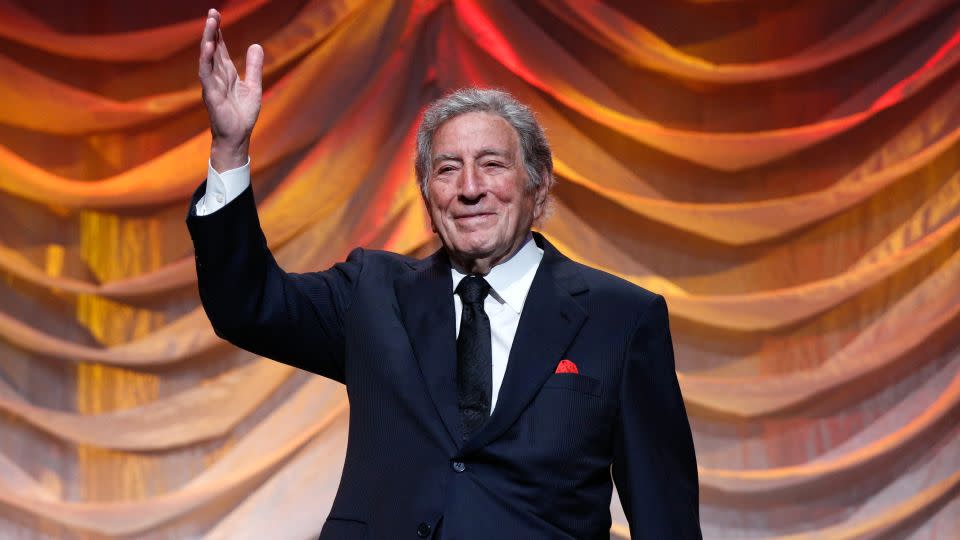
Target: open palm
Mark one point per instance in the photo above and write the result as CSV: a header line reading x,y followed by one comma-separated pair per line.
x,y
233,104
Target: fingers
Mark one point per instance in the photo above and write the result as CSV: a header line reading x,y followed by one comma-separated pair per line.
x,y
207,44
211,26
253,72
223,59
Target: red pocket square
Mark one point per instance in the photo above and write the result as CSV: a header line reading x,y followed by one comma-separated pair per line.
x,y
566,366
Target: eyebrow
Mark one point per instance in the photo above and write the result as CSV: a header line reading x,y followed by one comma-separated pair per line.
x,y
482,153
445,157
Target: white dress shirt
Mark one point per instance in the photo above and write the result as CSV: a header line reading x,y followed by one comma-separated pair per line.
x,y
509,281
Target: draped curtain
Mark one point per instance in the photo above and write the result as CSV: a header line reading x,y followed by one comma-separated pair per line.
x,y
784,172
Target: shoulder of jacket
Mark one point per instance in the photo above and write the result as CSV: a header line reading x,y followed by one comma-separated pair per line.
x,y
607,284
379,258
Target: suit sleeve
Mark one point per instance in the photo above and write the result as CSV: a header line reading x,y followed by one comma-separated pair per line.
x,y
251,302
654,465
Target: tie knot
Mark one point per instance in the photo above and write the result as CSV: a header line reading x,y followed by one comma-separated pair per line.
x,y
473,289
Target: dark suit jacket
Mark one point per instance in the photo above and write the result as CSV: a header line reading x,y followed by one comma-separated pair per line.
x,y
383,324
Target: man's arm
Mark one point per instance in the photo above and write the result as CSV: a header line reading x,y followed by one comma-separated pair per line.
x,y
250,301
654,465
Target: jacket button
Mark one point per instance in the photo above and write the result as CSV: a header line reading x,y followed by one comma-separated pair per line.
x,y
423,530
459,466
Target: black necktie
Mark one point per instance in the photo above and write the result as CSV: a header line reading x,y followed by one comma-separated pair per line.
x,y
474,359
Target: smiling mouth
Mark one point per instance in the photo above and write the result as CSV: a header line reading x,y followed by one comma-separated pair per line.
x,y
471,221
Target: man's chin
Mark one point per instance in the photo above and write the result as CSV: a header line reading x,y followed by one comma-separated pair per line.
x,y
471,250
471,254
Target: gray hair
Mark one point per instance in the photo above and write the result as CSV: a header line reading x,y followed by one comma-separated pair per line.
x,y
535,151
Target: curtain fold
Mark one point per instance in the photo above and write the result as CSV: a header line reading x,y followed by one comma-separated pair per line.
x,y
255,455
204,412
638,45
144,45
496,30
73,111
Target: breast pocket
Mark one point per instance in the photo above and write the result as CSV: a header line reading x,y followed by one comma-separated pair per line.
x,y
568,420
572,381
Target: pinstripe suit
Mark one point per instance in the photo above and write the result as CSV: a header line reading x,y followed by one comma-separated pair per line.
x,y
383,324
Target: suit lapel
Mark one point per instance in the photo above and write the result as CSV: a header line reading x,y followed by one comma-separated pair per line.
x,y
425,297
551,318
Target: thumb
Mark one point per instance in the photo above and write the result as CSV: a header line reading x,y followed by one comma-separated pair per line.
x,y
253,72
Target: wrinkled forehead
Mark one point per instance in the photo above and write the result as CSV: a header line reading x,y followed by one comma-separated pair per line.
x,y
473,133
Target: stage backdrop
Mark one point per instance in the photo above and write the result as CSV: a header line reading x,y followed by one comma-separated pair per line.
x,y
785,172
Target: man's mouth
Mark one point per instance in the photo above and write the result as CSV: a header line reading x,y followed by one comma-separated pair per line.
x,y
474,218
472,215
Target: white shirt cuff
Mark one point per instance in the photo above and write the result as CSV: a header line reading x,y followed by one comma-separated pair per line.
x,y
223,187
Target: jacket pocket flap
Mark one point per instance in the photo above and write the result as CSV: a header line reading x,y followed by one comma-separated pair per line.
x,y
574,381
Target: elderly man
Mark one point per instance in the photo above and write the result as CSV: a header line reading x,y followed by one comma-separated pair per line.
x,y
494,385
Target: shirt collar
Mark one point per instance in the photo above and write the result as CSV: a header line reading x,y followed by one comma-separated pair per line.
x,y
510,280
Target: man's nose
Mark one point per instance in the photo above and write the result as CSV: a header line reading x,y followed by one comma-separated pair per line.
x,y
471,185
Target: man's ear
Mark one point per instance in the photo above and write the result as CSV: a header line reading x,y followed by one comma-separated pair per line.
x,y
540,196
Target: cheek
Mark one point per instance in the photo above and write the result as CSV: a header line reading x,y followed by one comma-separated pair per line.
x,y
506,193
438,201
515,202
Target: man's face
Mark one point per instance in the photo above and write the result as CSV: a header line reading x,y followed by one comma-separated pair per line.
x,y
478,199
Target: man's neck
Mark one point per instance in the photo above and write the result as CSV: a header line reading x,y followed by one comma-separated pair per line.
x,y
482,266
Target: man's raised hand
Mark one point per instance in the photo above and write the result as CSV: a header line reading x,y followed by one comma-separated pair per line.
x,y
233,104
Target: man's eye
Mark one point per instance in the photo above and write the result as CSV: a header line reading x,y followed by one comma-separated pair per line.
x,y
446,169
493,164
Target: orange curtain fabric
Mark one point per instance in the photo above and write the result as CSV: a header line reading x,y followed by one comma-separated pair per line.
x,y
786,173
